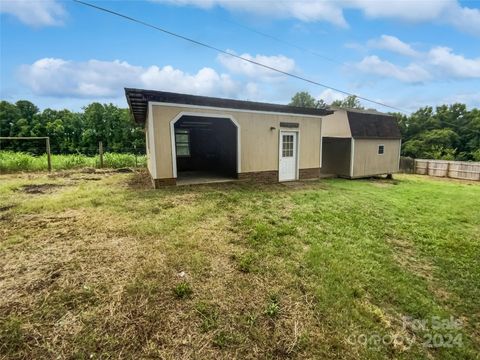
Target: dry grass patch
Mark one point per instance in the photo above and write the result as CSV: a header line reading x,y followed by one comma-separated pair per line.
x,y
114,269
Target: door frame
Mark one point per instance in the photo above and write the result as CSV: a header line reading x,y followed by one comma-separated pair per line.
x,y
297,157
207,115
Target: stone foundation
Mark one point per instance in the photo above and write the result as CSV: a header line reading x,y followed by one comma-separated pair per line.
x,y
312,173
265,177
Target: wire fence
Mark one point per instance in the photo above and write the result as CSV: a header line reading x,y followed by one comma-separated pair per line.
x,y
105,157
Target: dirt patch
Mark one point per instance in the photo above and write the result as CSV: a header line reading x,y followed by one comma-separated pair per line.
x,y
6,207
140,180
87,178
304,184
39,188
123,170
406,256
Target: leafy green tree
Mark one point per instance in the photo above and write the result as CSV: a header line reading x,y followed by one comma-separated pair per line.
x,y
304,99
70,132
27,109
448,131
350,102
476,155
444,132
433,144
9,115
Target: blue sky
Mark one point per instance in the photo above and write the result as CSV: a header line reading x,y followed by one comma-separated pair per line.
x,y
408,54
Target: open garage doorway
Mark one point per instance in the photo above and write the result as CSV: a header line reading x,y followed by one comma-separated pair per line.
x,y
205,149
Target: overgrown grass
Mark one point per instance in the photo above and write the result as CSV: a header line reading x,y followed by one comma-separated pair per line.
x,y
104,267
18,161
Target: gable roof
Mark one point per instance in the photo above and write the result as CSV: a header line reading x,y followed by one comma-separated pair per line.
x,y
138,102
372,125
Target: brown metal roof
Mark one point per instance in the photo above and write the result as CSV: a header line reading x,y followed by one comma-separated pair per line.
x,y
138,101
371,125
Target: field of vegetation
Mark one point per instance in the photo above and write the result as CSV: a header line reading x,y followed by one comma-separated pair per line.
x,y
11,161
99,265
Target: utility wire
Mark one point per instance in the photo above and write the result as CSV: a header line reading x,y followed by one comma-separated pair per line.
x,y
211,47
281,41
277,39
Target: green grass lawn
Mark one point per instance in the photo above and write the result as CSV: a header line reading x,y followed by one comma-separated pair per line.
x,y
101,266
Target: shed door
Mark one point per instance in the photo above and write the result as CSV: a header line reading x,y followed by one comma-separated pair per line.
x,y
288,156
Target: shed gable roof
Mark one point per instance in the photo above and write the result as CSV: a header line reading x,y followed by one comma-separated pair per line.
x,y
372,125
138,102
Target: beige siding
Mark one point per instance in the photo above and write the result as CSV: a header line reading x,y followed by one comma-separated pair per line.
x,y
336,125
367,162
149,146
259,144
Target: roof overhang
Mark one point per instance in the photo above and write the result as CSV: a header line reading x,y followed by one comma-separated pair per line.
x,y
138,100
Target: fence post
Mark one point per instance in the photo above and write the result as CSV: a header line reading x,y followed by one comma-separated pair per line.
x,y
448,169
100,151
49,158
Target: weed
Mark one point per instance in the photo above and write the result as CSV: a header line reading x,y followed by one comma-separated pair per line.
x,y
11,334
246,262
11,161
209,316
222,339
183,290
273,306
250,319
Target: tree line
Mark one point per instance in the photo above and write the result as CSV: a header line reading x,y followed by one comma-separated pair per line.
x,y
447,132
70,132
450,132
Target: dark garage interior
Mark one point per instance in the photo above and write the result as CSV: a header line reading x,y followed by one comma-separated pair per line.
x,y
206,149
336,154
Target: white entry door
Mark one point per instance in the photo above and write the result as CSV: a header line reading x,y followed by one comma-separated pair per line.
x,y
288,156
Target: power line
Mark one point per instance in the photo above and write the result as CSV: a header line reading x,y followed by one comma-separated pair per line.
x,y
211,47
282,41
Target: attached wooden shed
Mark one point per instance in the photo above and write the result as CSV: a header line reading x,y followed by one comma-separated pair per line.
x,y
196,139
358,143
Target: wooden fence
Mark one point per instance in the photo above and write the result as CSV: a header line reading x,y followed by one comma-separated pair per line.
x,y
444,168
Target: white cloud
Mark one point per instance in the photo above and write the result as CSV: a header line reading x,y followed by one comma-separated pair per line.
x,y
35,12
448,63
392,43
414,11
106,79
238,66
329,96
205,82
463,18
315,10
413,73
437,63
440,11
471,99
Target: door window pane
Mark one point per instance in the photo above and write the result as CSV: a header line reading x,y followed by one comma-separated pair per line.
x,y
287,145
